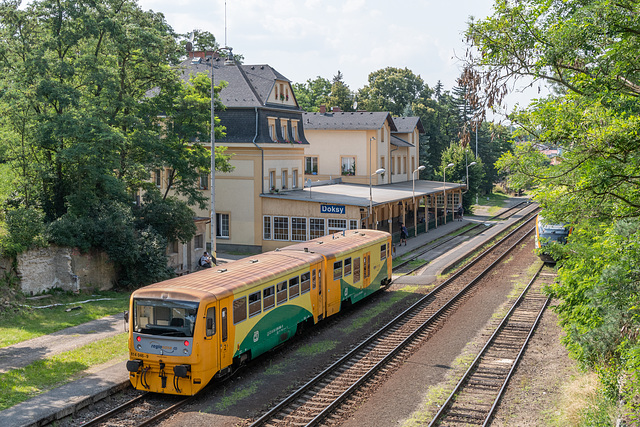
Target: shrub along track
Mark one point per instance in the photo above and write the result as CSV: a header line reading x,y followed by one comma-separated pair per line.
x,y
317,400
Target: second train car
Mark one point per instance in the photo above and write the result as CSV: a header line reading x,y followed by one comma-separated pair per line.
x,y
186,331
547,233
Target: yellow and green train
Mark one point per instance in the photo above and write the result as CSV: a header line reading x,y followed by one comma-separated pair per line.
x,y
188,330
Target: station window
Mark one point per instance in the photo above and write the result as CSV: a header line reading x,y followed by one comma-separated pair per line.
x,y
305,282
294,179
266,228
281,289
347,267
356,270
316,228
255,303
284,179
337,270
272,180
311,165
268,298
222,225
204,181
158,178
239,310
198,241
383,252
298,229
294,287
294,131
353,224
348,166
280,228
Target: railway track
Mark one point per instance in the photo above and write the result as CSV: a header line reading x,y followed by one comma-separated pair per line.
x,y
142,410
408,265
475,397
318,399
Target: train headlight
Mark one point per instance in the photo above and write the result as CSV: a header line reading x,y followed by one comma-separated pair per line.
x,y
139,347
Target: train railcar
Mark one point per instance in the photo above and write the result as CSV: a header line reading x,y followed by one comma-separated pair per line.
x,y
188,330
547,233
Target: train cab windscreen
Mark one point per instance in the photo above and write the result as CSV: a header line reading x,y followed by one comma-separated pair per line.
x,y
164,317
553,233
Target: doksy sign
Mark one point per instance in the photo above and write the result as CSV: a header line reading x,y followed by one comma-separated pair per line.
x,y
333,209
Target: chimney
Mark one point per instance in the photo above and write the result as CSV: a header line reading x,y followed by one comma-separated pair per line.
x,y
323,109
336,110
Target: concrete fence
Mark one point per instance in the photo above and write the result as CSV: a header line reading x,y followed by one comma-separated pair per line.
x,y
66,268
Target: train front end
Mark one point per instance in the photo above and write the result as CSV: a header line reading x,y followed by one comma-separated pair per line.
x,y
165,353
547,234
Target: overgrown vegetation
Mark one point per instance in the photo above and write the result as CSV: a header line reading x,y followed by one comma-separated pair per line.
x,y
84,87
585,50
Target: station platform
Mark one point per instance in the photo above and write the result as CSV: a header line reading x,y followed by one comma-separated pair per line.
x,y
104,380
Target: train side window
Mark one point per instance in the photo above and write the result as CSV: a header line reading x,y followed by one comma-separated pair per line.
x,y
356,270
305,282
211,324
223,326
281,290
337,270
268,298
239,310
294,287
313,279
255,303
383,252
347,267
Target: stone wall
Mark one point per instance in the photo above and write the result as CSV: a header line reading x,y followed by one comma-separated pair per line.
x,y
65,268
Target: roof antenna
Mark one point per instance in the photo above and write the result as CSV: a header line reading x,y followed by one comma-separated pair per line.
x,y
225,23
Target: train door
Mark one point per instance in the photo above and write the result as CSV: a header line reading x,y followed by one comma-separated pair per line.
x,y
333,280
316,280
212,361
366,269
226,352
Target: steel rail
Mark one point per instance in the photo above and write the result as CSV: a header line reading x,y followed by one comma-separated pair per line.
x,y
295,395
476,362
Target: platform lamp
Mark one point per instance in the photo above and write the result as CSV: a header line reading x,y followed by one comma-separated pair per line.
x,y
444,189
229,61
378,172
415,210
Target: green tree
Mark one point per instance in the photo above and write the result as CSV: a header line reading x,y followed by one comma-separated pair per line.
x,y
392,89
586,49
82,86
313,93
461,158
340,96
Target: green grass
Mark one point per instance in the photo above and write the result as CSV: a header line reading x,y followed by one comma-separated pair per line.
x,y
22,384
317,348
31,323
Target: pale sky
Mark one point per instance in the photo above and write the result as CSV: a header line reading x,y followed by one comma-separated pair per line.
x,y
303,39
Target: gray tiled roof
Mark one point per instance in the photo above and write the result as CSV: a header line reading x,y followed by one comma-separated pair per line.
x,y
249,85
351,121
408,124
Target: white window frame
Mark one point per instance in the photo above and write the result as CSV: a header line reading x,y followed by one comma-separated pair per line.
x,y
324,227
276,236
221,227
266,220
353,224
300,224
336,228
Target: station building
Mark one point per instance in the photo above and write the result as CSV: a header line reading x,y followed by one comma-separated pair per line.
x,y
300,175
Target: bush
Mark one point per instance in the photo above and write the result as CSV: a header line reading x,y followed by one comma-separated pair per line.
x,y
25,229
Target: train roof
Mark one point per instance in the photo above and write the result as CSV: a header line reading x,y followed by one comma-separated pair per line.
x,y
224,280
333,245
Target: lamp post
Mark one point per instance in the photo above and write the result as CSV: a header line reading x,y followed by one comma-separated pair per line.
x,y
378,172
415,209
228,61
444,190
470,164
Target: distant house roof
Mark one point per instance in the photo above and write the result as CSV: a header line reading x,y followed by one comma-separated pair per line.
x,y
347,121
398,142
408,124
